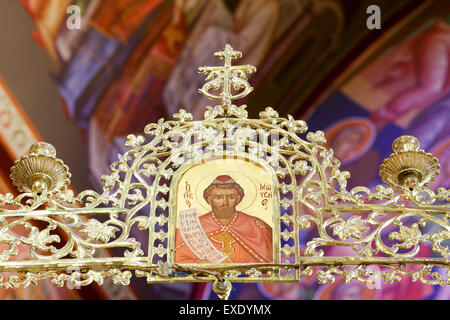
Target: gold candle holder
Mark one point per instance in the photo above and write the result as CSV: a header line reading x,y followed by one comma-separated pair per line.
x,y
408,167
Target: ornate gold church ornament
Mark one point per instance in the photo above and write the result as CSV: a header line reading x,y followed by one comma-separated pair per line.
x,y
256,182
409,167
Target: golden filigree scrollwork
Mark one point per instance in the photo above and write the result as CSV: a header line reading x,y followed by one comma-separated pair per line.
x,y
384,226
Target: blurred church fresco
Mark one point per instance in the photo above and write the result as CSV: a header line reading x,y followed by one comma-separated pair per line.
x,y
135,61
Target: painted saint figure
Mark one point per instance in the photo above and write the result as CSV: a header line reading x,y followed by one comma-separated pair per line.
x,y
239,237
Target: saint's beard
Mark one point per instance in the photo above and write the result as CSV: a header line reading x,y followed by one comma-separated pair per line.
x,y
224,211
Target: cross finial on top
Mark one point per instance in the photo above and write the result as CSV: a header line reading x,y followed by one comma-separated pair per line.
x,y
228,77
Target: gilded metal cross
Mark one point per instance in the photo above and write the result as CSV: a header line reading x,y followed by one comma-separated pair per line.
x,y
227,77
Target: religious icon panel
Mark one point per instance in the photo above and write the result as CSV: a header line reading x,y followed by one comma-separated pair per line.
x,y
224,213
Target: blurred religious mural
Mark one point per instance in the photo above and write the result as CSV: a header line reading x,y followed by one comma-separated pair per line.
x,y
135,61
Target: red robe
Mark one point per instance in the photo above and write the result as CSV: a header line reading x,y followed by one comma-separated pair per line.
x,y
246,239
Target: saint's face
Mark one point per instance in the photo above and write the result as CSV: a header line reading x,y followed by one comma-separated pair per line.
x,y
223,201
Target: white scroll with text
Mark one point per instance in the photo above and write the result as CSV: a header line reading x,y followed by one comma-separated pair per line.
x,y
194,236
